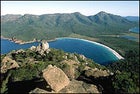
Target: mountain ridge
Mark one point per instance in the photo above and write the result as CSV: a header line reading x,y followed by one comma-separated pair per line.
x,y
62,24
54,14
132,18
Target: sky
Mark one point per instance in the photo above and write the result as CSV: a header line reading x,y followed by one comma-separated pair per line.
x,y
122,8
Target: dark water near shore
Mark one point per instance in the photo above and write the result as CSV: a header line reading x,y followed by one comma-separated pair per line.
x,y
93,51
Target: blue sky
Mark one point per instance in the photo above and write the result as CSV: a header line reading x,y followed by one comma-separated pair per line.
x,y
122,8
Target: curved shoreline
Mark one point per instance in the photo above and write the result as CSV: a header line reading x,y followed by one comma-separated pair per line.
x,y
19,41
110,49
23,42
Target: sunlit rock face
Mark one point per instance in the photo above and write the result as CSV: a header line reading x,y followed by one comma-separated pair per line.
x,y
55,77
42,48
8,63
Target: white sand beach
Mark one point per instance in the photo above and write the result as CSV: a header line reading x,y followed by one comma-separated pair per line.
x,y
113,51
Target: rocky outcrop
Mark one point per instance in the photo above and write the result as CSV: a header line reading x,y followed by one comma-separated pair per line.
x,y
83,57
44,45
8,63
55,77
18,41
20,51
79,87
74,86
42,48
38,90
33,48
59,82
96,72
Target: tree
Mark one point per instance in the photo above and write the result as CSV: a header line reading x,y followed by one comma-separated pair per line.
x,y
4,84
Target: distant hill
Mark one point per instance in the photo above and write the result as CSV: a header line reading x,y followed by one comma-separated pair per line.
x,y
48,26
110,23
9,17
132,18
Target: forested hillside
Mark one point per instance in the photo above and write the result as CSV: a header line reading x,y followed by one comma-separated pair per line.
x,y
132,18
48,26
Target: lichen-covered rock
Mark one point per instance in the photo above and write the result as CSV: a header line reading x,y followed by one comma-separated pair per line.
x,y
8,63
96,73
55,77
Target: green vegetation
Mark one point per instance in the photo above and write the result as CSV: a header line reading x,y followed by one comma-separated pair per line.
x,y
4,88
126,72
103,28
49,26
132,18
124,83
119,44
32,63
126,78
132,34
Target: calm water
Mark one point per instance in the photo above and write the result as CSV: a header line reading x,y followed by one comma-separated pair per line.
x,y
7,46
93,51
130,38
135,29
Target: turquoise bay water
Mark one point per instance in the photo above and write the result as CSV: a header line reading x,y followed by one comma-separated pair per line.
x,y
93,51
